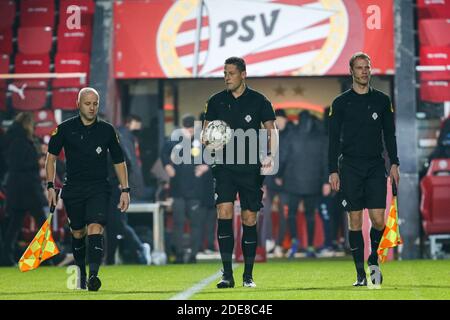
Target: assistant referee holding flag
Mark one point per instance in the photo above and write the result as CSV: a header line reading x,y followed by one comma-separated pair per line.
x,y
359,120
86,191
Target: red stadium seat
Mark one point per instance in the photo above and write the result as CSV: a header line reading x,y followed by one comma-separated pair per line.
x,y
435,202
7,14
37,13
435,91
435,56
65,98
32,63
78,40
44,116
35,40
434,32
87,8
70,62
4,63
45,122
28,94
433,9
6,41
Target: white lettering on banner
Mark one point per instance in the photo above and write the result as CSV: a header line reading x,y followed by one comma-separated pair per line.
x,y
437,56
42,10
427,2
75,62
438,83
32,62
267,39
73,34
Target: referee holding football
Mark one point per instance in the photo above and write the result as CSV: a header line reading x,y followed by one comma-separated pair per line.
x,y
86,191
241,108
359,120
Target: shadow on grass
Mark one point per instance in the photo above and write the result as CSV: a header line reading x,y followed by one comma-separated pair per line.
x,y
311,289
81,292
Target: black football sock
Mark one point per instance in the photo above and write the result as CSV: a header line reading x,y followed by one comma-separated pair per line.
x,y
225,238
79,254
375,238
249,239
95,253
357,248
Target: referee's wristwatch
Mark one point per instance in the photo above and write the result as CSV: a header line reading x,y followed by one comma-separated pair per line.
x,y
125,189
50,185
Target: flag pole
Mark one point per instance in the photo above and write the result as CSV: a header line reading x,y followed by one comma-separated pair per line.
x,y
198,34
49,219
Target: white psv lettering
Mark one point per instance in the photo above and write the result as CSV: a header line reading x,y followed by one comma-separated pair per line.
x,y
229,28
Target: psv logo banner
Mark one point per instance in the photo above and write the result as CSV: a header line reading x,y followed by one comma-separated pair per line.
x,y
192,38
274,37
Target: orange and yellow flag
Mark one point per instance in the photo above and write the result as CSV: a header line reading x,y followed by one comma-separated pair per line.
x,y
40,249
391,236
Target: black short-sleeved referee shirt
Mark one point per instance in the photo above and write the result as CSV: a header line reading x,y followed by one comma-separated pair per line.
x,y
358,123
85,149
249,111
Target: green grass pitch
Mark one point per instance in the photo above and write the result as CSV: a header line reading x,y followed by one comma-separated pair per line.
x,y
301,279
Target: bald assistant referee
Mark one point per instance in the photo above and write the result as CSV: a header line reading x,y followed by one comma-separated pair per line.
x,y
86,141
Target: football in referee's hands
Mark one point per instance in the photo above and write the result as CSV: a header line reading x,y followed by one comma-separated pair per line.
x,y
216,134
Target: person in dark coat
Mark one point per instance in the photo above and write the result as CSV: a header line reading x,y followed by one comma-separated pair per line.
x,y
130,146
274,187
186,188
24,191
304,171
119,229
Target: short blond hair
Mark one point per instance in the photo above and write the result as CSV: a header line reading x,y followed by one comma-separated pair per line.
x,y
358,55
86,90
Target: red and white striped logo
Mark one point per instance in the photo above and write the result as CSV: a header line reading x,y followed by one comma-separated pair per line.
x,y
275,37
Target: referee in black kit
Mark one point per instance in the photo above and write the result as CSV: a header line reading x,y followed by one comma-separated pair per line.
x,y
241,108
86,191
359,120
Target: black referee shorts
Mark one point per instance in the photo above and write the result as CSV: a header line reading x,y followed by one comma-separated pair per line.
x,y
86,204
227,183
363,184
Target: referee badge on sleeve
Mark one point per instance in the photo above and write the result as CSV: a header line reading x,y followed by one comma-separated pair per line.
x,y
374,116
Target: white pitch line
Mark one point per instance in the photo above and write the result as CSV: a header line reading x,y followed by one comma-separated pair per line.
x,y
186,294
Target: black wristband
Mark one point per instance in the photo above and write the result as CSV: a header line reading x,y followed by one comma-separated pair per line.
x,y
50,185
126,189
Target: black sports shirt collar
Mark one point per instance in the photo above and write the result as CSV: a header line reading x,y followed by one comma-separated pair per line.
x,y
80,122
360,94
